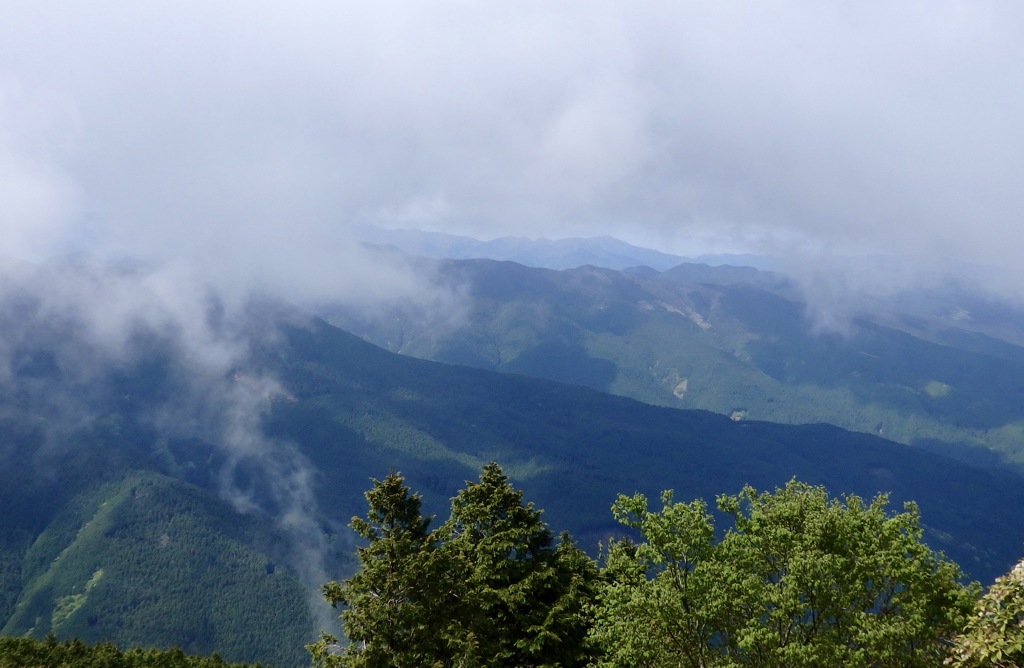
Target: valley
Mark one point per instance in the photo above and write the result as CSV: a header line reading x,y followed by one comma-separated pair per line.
x,y
155,498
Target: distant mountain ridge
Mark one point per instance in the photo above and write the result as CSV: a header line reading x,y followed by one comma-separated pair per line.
x,y
566,253
572,449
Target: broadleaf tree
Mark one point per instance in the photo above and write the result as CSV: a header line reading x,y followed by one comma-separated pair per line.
x,y
799,580
994,634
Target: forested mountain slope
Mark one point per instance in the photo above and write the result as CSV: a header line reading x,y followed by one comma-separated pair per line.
x,y
146,560
735,341
572,449
204,512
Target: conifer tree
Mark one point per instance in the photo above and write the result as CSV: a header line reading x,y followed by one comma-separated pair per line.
x,y
400,602
491,587
528,596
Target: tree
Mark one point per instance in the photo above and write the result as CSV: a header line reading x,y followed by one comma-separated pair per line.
x,y
31,653
396,602
489,587
994,634
527,596
799,580
654,608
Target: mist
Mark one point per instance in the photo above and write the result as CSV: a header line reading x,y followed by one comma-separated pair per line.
x,y
224,154
247,136
92,350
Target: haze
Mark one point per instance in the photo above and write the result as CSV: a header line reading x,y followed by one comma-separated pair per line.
x,y
245,138
240,143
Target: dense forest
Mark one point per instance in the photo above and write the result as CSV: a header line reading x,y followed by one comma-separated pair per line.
x,y
76,654
789,577
798,578
205,511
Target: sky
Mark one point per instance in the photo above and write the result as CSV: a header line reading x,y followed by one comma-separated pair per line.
x,y
250,137
241,144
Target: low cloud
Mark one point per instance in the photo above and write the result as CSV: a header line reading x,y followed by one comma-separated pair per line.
x,y
237,145
85,342
248,137
224,151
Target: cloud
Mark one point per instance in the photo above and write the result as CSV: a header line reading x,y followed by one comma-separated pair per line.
x,y
250,135
239,143
231,147
156,350
37,200
247,132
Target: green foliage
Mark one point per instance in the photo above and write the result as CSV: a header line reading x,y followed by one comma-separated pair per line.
x,y
393,604
667,620
526,596
800,580
489,586
994,635
153,561
29,653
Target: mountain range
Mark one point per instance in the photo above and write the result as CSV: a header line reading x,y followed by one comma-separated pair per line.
x,y
734,340
565,253
163,500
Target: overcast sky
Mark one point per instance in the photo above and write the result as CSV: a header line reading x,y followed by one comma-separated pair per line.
x,y
254,134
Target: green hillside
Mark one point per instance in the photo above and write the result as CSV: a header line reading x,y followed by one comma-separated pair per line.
x,y
152,561
733,341
119,528
151,557
573,449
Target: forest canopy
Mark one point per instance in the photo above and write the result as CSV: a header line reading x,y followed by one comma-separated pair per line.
x,y
798,578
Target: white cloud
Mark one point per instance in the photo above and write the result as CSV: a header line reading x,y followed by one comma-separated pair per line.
x,y
249,135
237,141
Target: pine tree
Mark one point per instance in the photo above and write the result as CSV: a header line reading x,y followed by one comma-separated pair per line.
x,y
527,596
491,587
400,602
